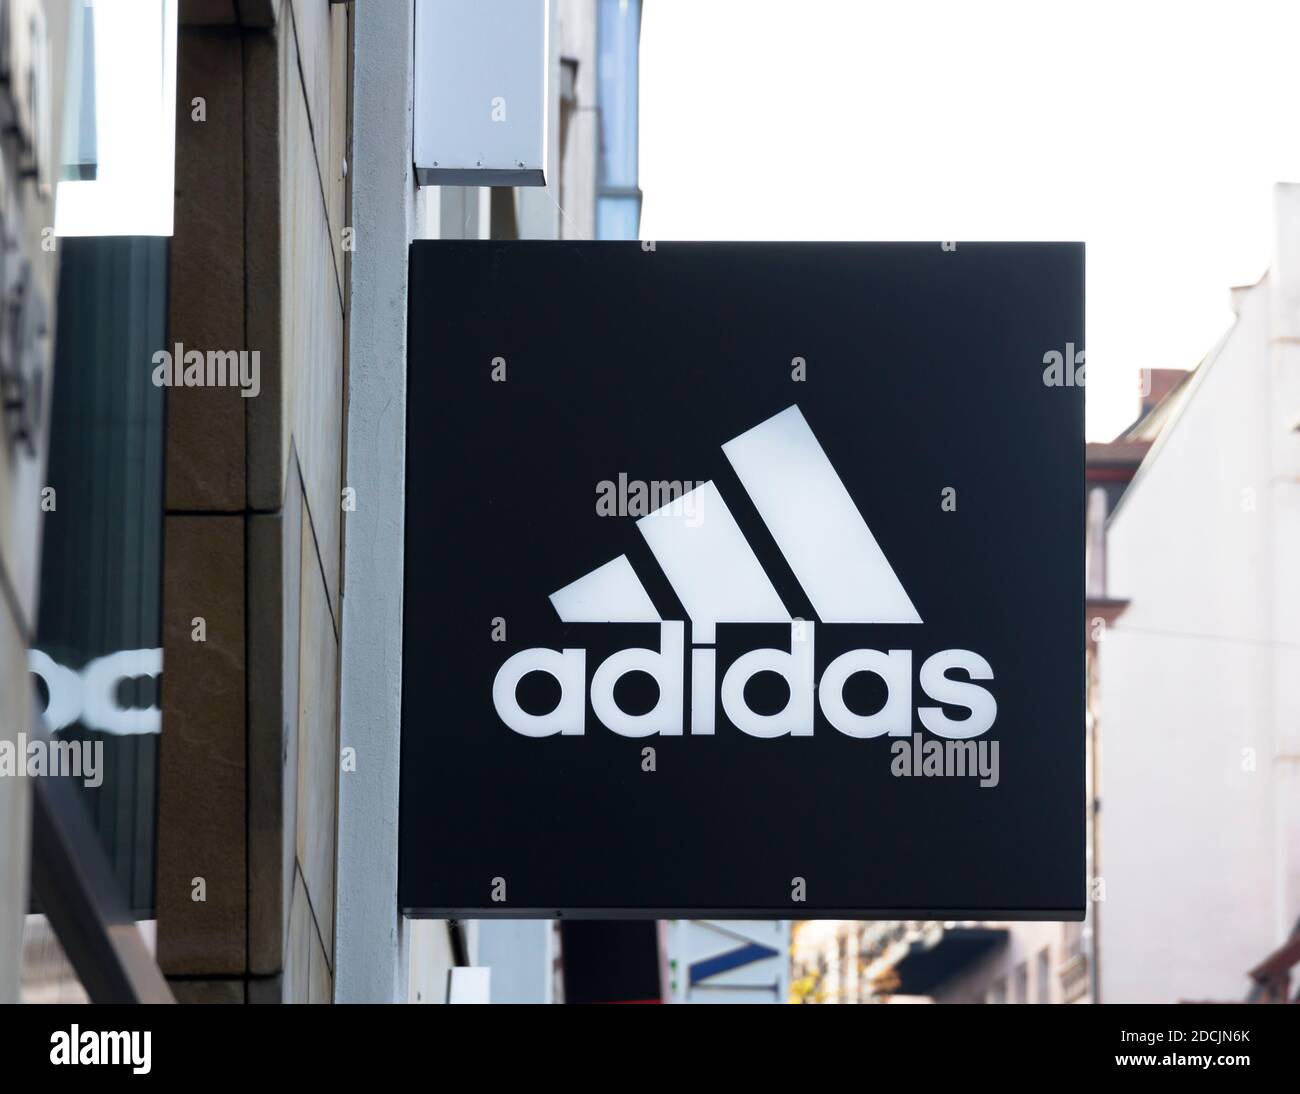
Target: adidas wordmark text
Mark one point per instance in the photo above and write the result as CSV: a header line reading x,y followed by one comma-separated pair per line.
x,y
718,579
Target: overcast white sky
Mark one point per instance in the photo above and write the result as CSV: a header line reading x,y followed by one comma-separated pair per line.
x,y
1152,131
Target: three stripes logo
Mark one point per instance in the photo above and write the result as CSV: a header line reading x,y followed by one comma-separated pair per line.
x,y
718,579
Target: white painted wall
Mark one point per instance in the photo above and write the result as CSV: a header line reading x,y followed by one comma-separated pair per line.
x,y
1284,434
1198,850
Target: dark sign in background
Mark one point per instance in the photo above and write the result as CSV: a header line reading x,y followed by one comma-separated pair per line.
x,y
924,370
101,568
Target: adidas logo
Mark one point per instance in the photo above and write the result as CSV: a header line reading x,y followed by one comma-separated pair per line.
x,y
718,579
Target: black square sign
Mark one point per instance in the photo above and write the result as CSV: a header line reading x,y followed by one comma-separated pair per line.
x,y
744,580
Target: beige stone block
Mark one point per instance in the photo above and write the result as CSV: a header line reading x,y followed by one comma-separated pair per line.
x,y
260,14
205,425
207,13
320,981
298,945
318,744
311,30
267,446
321,33
266,850
291,547
208,991
266,989
332,166
263,14
311,337
202,760
274,597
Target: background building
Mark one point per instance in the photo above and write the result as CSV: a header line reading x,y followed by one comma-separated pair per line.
x,y
1194,752
253,544
34,41
1200,757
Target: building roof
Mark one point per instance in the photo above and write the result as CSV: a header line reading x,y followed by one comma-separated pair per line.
x,y
1154,426
1162,412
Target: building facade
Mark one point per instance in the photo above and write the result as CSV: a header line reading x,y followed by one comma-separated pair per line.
x,y
296,201
238,388
1200,825
34,48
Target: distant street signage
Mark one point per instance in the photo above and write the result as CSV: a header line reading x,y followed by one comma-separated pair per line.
x,y
744,581
729,961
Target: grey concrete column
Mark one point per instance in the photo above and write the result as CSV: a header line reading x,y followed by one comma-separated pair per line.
x,y
370,947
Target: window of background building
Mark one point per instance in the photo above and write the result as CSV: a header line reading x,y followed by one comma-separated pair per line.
x,y
618,197
1045,975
